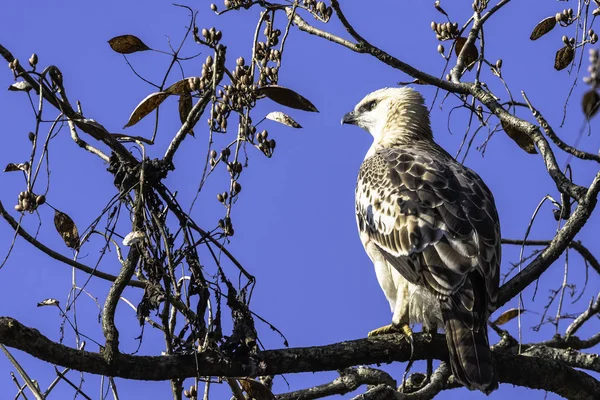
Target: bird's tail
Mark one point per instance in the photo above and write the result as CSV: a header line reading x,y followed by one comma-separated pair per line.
x,y
465,317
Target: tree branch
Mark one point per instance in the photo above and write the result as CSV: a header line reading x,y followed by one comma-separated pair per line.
x,y
522,370
557,245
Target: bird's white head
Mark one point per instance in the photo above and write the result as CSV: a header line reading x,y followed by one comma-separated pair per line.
x,y
392,116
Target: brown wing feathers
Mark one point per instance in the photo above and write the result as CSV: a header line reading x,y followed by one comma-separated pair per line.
x,y
435,221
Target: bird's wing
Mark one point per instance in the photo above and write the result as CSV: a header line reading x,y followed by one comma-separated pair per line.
x,y
421,205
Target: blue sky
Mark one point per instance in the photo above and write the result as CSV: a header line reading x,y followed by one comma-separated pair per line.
x,y
294,221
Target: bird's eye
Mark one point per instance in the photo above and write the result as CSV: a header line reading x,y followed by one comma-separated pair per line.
x,y
369,106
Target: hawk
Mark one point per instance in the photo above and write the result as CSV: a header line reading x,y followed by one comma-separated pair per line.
x,y
430,226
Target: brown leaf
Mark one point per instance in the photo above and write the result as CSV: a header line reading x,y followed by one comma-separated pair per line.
x,y
471,53
145,107
256,390
590,103
286,97
67,229
185,106
127,44
282,118
184,86
520,138
545,26
564,56
507,315
11,167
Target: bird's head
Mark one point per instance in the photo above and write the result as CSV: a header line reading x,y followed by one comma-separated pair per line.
x,y
391,115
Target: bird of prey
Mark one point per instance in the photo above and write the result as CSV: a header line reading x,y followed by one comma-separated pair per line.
x,y
430,226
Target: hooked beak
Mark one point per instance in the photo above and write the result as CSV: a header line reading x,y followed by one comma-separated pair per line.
x,y
349,118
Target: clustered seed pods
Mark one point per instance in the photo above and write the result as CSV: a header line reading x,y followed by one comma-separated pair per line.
x,y
235,4
191,393
592,36
565,18
445,31
211,36
319,9
264,144
593,79
226,225
29,201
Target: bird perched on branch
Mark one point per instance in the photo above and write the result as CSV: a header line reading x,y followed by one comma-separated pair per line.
x,y
430,226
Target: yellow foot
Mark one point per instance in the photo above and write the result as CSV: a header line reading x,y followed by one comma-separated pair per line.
x,y
384,330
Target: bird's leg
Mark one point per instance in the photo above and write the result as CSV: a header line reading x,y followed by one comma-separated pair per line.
x,y
384,330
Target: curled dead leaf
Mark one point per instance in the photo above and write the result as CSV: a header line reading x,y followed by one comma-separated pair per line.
x,y
545,26
507,315
563,58
133,238
67,229
471,53
282,118
146,106
11,167
185,106
286,97
184,86
127,44
20,86
256,390
520,138
48,302
590,103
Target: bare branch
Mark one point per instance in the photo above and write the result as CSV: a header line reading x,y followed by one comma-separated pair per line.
x,y
532,372
593,309
58,256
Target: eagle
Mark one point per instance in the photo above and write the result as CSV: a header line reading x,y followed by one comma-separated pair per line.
x,y
430,226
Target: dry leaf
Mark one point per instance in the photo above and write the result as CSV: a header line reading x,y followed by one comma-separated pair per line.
x,y
21,86
520,138
564,56
256,390
11,167
185,106
590,103
507,315
471,53
145,107
286,97
282,118
67,229
48,302
184,86
545,26
127,44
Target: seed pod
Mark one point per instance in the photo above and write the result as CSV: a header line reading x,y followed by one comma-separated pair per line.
x,y
31,136
272,143
499,63
213,154
187,394
213,7
220,197
39,200
237,187
33,60
15,63
565,40
19,207
440,49
434,26
209,60
205,33
240,61
218,35
225,195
